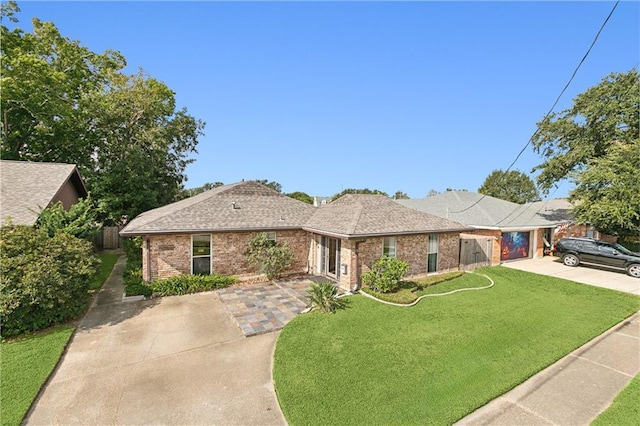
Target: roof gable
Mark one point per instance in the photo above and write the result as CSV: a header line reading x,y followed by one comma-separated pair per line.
x,y
354,215
241,206
479,210
27,187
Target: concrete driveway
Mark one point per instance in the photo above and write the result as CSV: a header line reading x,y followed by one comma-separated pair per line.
x,y
586,274
175,360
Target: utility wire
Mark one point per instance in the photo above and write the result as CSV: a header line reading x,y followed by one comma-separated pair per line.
x,y
554,104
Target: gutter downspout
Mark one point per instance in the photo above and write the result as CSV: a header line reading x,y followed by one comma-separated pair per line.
x,y
147,243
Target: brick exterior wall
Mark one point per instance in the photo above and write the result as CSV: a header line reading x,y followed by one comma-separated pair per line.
x,y
170,255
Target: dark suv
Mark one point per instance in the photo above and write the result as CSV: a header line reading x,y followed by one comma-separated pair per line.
x,y
574,251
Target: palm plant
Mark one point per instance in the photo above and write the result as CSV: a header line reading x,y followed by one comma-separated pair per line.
x,y
324,296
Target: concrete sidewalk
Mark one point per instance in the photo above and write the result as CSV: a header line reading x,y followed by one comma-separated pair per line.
x,y
574,390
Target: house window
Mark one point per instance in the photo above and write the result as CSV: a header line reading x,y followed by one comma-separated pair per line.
x,y
389,247
201,254
271,236
432,254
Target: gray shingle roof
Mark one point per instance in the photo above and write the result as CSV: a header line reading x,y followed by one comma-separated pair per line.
x,y
488,212
256,208
355,215
27,187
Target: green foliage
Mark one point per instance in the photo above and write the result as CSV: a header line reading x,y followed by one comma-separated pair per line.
x,y
269,256
408,291
608,191
43,280
200,189
80,221
358,191
132,274
186,284
61,102
385,274
271,184
595,144
107,262
301,196
323,296
624,410
435,362
399,195
26,364
133,250
513,186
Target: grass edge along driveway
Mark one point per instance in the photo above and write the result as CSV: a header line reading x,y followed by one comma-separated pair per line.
x,y
438,361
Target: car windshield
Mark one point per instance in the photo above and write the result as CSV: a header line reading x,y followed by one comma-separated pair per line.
x,y
623,250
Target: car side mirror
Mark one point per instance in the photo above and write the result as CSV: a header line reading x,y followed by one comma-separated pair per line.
x,y
616,252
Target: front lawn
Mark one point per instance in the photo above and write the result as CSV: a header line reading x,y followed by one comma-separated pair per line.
x,y
625,409
439,360
26,365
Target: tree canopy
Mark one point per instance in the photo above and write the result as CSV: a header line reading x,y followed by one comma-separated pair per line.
x,y
513,186
358,191
301,196
61,102
594,144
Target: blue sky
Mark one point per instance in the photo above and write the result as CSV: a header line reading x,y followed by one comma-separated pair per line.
x,y
323,96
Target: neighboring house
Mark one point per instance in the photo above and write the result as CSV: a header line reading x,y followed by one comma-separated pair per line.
x,y
511,231
321,201
28,187
210,233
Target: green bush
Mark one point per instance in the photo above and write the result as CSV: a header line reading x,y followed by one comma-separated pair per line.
x,y
270,257
385,275
80,220
185,284
323,296
43,280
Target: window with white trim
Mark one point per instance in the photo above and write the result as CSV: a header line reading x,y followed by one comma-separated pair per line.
x,y
201,254
389,246
432,254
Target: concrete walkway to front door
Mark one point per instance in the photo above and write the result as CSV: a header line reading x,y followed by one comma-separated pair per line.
x,y
173,360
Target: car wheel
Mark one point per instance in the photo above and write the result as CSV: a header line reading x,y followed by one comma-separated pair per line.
x,y
570,260
634,270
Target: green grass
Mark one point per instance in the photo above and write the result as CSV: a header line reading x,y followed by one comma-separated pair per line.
x,y
26,365
625,409
409,291
108,261
439,360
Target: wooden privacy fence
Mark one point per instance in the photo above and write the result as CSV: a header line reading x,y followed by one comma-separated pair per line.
x,y
108,238
475,252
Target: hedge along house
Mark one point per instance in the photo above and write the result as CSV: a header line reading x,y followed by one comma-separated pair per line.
x,y
210,232
502,230
349,234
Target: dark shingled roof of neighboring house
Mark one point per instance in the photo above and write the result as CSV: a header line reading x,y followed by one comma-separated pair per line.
x,y
242,206
488,212
28,187
359,215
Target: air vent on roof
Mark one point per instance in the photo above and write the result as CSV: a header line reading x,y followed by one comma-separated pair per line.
x,y
234,206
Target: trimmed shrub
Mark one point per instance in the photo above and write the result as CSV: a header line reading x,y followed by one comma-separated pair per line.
x,y
270,257
80,220
43,280
185,284
323,296
385,275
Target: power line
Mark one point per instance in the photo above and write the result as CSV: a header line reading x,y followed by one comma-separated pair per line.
x,y
575,71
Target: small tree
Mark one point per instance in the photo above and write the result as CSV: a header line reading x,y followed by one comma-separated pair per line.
x,y
268,256
80,220
512,185
386,273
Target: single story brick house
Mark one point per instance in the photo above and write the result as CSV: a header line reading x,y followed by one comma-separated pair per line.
x,y
27,187
210,232
511,231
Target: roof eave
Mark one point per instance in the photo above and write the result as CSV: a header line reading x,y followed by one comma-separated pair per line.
x,y
137,233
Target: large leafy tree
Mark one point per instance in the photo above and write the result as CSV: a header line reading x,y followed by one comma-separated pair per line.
x,y
512,186
594,144
62,102
301,196
358,191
